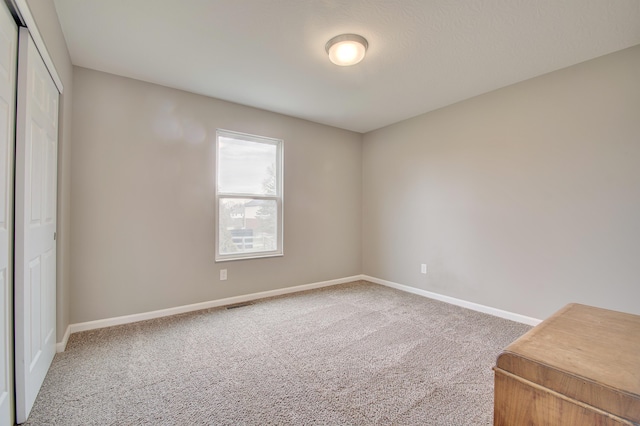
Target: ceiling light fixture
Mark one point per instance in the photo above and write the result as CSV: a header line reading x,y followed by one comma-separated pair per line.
x,y
346,49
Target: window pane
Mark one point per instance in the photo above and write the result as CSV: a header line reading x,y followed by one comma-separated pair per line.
x,y
247,225
246,167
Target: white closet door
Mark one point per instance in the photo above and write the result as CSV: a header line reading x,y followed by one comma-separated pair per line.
x,y
35,204
8,60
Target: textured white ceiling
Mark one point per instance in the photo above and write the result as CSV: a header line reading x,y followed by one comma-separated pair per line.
x,y
423,54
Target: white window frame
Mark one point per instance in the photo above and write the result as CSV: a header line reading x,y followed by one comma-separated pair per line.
x,y
278,197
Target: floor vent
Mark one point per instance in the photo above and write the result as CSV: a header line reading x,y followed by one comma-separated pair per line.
x,y
238,305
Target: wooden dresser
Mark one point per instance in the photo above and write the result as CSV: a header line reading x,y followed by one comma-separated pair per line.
x,y
581,366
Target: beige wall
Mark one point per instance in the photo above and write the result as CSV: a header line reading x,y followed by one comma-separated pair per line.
x,y
523,199
143,199
44,13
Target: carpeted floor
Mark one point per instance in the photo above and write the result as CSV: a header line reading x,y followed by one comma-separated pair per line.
x,y
356,354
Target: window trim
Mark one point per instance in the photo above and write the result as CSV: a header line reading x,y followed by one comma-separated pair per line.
x,y
279,197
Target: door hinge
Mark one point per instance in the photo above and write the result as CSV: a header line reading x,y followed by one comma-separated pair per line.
x,y
55,234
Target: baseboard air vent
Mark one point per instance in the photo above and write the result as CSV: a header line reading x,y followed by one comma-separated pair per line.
x,y
238,305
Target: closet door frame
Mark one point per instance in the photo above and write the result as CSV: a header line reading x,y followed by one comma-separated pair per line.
x,y
8,82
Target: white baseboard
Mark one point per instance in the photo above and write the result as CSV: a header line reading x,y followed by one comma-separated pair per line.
x,y
60,346
458,302
127,319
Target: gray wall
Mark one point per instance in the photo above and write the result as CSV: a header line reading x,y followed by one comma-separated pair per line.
x,y
523,199
143,199
44,13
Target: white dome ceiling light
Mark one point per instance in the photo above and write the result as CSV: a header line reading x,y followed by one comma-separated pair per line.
x,y
346,49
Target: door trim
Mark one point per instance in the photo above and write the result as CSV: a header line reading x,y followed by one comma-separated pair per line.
x,y
21,9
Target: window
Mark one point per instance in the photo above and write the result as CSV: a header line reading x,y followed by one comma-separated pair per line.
x,y
248,196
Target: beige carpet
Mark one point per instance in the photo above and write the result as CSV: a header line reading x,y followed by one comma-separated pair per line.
x,y
354,354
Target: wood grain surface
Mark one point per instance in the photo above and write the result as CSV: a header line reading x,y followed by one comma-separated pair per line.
x,y
589,356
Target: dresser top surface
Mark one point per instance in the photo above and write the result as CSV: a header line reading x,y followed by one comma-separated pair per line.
x,y
600,345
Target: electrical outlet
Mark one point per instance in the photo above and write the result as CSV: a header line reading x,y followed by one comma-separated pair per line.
x,y
423,268
223,274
